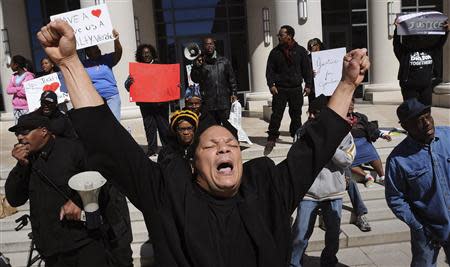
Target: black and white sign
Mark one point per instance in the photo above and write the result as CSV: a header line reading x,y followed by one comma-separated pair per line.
x,y
422,23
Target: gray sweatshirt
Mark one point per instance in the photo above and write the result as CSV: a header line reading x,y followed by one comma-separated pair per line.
x,y
330,182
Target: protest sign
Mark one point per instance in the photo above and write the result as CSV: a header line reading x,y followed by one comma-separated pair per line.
x,y
421,23
92,25
34,89
327,65
154,82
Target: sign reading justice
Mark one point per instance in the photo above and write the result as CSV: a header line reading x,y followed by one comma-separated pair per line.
x,y
91,25
421,23
154,82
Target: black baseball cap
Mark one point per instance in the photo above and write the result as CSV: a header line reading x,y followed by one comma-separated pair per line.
x,y
30,121
49,96
411,108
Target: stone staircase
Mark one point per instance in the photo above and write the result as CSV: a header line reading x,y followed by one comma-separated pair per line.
x,y
385,227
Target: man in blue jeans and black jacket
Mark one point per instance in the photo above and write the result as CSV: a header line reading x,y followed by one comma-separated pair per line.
x,y
418,184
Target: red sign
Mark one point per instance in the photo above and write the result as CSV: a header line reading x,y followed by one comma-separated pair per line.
x,y
154,82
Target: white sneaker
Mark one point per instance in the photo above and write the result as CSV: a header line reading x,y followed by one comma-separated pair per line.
x,y
380,180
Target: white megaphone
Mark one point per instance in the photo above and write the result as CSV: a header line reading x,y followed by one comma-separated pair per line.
x,y
88,185
192,51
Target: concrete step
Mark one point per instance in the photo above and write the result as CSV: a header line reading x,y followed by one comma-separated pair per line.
x,y
12,241
8,223
383,232
19,259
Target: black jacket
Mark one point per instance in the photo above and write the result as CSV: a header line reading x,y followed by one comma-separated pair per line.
x,y
365,128
180,216
60,124
217,82
285,75
59,160
420,60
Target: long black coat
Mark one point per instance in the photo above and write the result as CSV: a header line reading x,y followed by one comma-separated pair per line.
x,y
217,82
169,199
59,160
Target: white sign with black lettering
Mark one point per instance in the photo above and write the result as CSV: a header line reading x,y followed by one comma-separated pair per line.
x,y
327,66
92,25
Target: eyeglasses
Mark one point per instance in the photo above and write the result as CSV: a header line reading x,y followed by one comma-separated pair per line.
x,y
23,132
193,104
184,129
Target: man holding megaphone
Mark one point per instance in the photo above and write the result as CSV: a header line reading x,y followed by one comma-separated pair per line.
x,y
217,81
45,163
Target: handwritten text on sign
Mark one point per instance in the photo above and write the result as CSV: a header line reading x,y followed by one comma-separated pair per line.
x,y
327,65
35,87
91,25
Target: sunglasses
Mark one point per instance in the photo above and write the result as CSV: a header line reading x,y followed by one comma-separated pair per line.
x,y
23,132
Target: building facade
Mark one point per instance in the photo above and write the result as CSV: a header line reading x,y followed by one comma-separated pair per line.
x,y
245,30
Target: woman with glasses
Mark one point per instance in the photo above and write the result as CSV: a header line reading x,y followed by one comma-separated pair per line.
x,y
154,115
314,45
183,125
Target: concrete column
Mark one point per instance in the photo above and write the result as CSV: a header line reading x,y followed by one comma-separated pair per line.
x,y
13,18
282,12
286,13
384,63
441,93
143,11
446,59
383,87
122,18
258,52
5,72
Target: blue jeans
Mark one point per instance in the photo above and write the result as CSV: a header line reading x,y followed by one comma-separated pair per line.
x,y
424,252
304,226
114,105
355,197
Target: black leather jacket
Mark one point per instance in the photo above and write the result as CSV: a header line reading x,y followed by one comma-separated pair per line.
x,y
217,82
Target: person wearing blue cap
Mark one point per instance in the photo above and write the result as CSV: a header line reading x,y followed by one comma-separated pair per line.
x,y
418,182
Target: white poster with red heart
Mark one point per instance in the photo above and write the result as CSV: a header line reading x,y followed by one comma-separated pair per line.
x,y
35,87
92,25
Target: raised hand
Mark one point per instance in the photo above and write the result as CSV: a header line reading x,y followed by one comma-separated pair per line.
x,y
58,40
356,63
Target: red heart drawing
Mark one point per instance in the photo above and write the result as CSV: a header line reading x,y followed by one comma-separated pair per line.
x,y
51,87
96,12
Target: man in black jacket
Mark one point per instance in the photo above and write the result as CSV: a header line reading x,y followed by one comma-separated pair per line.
x,y
225,213
61,240
59,122
45,164
217,81
288,65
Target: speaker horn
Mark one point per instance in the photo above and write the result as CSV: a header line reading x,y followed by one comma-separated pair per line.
x,y
88,185
192,51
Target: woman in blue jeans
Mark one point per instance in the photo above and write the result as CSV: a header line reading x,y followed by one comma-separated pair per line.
x,y
99,68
